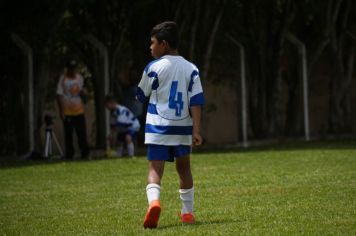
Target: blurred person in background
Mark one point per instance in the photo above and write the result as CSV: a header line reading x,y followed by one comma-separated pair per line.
x,y
70,96
124,127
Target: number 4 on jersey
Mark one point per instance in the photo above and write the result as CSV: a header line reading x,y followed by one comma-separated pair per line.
x,y
176,103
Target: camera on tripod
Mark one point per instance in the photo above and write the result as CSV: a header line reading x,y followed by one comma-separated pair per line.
x,y
48,119
50,138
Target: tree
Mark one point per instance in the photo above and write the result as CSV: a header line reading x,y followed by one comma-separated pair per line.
x,y
27,21
327,29
264,26
342,52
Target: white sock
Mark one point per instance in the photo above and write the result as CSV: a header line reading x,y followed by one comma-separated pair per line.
x,y
153,192
131,149
187,197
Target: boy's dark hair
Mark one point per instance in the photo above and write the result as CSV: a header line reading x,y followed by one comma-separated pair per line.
x,y
167,31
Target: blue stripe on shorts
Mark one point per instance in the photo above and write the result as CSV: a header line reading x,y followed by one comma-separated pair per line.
x,y
167,153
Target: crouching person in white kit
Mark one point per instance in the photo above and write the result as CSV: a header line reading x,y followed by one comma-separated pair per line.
x,y
124,127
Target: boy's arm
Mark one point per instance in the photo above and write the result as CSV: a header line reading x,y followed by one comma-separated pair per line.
x,y
83,91
59,97
196,101
196,116
60,105
144,88
112,137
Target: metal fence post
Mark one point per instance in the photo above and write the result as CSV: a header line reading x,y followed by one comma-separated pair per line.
x,y
104,53
303,57
243,91
27,51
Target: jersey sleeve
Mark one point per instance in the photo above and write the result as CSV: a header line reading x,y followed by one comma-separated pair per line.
x,y
149,82
195,90
81,81
144,88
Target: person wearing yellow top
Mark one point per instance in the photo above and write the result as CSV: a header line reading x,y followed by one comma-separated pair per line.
x,y
71,109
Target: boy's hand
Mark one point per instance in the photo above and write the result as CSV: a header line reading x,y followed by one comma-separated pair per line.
x,y
197,139
196,116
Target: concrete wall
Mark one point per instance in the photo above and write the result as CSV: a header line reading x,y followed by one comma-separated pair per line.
x,y
220,125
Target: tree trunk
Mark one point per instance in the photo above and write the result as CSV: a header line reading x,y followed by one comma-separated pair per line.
x,y
342,54
293,78
211,41
266,30
340,83
115,85
99,96
40,89
194,31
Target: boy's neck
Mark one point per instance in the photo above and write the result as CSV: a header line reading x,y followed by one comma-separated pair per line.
x,y
171,52
70,74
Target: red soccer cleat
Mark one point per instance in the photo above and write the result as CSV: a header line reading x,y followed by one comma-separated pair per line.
x,y
152,215
187,218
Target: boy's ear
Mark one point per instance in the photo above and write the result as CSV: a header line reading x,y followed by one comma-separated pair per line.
x,y
165,44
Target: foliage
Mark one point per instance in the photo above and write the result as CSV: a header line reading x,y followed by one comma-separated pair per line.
x,y
58,29
306,189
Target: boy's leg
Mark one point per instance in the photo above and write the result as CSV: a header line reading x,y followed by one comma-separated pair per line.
x,y
120,150
118,142
130,145
186,190
68,138
155,173
81,130
153,189
184,171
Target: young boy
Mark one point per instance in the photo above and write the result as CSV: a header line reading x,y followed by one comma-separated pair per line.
x,y
175,94
124,126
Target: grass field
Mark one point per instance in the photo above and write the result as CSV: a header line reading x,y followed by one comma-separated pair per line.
x,y
302,189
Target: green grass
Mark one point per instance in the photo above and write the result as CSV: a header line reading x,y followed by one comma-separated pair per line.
x,y
303,189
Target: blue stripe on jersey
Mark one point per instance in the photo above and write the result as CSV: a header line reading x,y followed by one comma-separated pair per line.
x,y
169,130
197,100
153,74
191,82
140,95
155,84
152,109
150,64
115,112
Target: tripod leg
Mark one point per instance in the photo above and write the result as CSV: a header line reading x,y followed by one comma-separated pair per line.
x,y
50,153
46,145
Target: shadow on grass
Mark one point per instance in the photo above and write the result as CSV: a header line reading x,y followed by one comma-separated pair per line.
x,y
12,162
8,163
282,145
198,223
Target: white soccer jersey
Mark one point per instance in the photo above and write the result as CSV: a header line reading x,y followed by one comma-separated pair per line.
x,y
123,118
172,85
